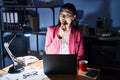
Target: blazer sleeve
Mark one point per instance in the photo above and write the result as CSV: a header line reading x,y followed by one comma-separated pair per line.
x,y
80,47
52,44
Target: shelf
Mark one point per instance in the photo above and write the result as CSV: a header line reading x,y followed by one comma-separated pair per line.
x,y
29,6
15,6
11,31
41,33
36,33
112,38
33,5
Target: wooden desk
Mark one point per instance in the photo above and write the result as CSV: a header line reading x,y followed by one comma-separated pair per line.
x,y
80,76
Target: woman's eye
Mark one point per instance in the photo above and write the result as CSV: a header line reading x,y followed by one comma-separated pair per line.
x,y
65,15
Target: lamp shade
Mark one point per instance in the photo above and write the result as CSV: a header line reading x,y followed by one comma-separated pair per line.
x,y
27,31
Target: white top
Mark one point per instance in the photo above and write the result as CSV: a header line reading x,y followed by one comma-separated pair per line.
x,y
64,44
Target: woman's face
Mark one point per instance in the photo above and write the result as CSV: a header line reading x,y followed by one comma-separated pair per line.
x,y
66,16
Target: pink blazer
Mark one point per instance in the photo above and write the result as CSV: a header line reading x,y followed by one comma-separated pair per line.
x,y
52,45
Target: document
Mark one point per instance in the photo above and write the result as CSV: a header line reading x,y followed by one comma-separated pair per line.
x,y
30,73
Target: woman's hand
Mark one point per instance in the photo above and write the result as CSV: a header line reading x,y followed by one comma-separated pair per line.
x,y
61,32
63,29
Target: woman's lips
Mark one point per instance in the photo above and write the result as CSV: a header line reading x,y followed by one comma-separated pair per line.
x,y
64,23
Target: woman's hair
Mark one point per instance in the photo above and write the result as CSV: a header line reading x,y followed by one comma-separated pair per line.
x,y
71,8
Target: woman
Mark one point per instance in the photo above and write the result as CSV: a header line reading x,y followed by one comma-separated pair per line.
x,y
65,38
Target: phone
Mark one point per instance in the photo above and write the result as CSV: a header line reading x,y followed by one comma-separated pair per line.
x,y
92,73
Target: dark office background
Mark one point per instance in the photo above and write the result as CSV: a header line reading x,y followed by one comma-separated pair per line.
x,y
91,9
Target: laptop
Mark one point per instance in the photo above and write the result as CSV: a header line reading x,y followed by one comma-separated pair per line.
x,y
59,64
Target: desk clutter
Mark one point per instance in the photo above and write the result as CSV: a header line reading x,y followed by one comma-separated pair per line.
x,y
35,71
30,73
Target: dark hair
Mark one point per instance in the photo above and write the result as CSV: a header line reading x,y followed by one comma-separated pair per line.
x,y
72,8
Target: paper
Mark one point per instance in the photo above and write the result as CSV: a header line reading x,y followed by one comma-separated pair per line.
x,y
30,73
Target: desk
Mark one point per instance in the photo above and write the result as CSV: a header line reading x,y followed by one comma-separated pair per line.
x,y
80,76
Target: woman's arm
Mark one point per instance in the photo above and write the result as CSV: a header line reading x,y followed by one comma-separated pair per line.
x,y
52,45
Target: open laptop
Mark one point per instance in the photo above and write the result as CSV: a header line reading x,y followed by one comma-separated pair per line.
x,y
59,64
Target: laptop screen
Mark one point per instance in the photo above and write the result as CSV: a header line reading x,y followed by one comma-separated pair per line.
x,y
59,64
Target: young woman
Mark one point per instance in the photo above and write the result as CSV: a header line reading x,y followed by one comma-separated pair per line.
x,y
65,38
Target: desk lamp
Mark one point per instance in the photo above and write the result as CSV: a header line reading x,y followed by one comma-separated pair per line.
x,y
16,68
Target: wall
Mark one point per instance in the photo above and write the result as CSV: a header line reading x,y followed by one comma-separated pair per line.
x,y
91,10
115,15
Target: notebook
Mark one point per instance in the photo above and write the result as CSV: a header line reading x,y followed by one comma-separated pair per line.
x,y
59,64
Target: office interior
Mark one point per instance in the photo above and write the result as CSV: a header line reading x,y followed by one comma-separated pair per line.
x,y
101,50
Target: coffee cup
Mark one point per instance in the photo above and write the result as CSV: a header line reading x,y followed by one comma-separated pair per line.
x,y
83,65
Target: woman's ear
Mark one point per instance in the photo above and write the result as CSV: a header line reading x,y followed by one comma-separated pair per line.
x,y
74,17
